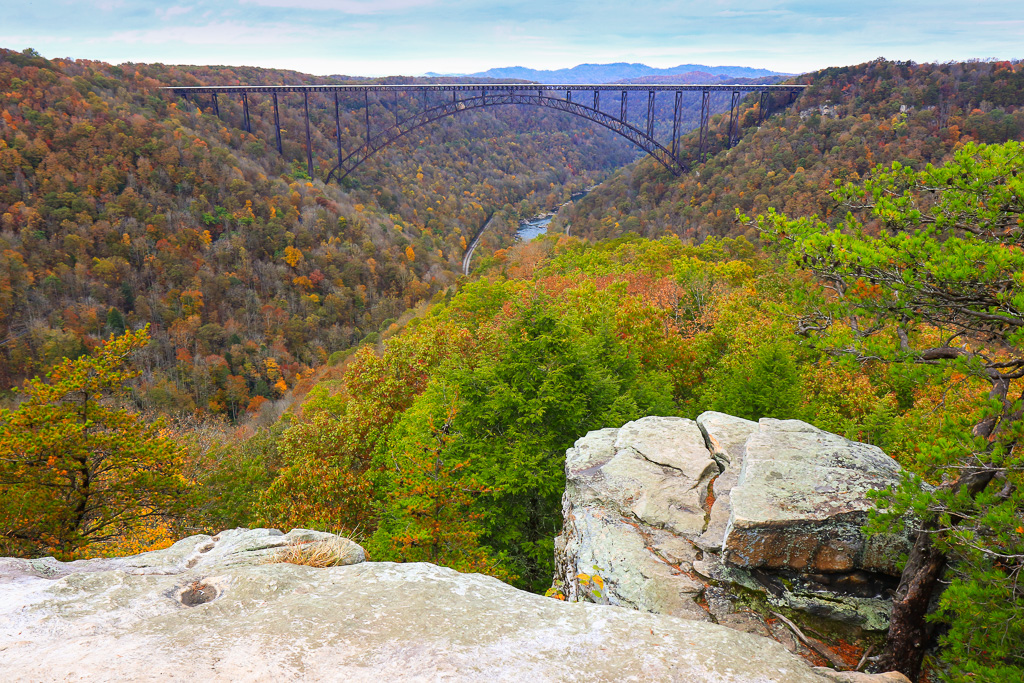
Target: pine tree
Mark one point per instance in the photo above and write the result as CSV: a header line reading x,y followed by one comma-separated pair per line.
x,y
941,288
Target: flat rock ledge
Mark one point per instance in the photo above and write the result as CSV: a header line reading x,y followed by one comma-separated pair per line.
x,y
706,519
213,609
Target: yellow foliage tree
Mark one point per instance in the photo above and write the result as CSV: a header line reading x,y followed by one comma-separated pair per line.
x,y
292,256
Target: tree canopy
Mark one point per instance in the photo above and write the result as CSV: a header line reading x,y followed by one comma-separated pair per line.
x,y
76,467
940,291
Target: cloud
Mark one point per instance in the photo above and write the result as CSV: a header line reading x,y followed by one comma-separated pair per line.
x,y
346,6
225,34
174,11
757,13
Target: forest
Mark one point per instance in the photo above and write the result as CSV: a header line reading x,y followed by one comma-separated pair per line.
x,y
120,206
196,335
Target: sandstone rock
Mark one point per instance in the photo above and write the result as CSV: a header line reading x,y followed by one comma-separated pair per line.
x,y
801,501
226,617
633,504
787,505
726,437
659,472
199,553
633,573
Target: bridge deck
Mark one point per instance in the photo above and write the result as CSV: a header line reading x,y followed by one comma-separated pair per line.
x,y
491,87
489,94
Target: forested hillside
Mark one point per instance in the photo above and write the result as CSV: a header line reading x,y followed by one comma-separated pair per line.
x,y
122,206
889,310
848,121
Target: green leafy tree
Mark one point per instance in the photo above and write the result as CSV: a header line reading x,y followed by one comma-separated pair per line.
x,y
766,383
115,322
548,384
77,468
941,290
237,473
428,514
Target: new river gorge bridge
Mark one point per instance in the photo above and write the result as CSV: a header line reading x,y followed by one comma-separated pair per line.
x,y
432,102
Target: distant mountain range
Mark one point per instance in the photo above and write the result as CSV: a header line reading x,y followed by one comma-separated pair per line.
x,y
611,73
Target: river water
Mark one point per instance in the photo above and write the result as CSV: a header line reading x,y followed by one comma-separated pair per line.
x,y
538,225
534,227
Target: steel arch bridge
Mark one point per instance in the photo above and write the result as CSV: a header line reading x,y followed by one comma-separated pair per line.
x,y
470,96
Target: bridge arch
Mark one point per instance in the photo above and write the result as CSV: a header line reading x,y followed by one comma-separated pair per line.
x,y
354,159
478,95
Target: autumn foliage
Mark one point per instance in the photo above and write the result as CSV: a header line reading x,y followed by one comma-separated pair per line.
x,y
78,469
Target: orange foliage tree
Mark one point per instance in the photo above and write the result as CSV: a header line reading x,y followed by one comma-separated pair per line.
x,y
78,469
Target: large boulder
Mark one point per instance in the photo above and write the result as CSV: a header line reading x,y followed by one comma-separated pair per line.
x,y
726,438
213,609
633,497
691,518
801,500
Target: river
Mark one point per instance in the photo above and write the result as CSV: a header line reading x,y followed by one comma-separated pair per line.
x,y
534,227
531,228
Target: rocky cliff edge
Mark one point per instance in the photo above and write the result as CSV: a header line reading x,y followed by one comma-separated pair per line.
x,y
214,609
733,522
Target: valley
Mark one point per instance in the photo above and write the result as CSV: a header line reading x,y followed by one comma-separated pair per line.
x,y
196,334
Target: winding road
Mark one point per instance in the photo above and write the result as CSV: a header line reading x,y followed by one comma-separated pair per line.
x,y
472,246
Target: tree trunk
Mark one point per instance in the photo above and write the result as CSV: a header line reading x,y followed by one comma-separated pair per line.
x,y
909,633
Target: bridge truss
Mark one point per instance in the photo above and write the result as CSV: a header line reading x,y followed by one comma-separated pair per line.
x,y
469,96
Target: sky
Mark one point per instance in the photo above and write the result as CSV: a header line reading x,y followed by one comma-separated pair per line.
x,y
412,37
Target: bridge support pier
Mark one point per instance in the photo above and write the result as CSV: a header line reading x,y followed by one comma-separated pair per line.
x,y
337,126
309,143
734,107
650,113
675,125
366,111
705,117
245,112
277,126
216,106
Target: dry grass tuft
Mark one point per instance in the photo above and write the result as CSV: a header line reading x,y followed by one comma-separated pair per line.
x,y
332,552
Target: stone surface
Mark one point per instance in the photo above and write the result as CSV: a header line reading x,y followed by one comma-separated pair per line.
x,y
726,437
633,502
801,500
207,609
196,553
782,520
633,573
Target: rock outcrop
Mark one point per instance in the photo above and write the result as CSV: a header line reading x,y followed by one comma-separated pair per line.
x,y
212,609
725,520
801,501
